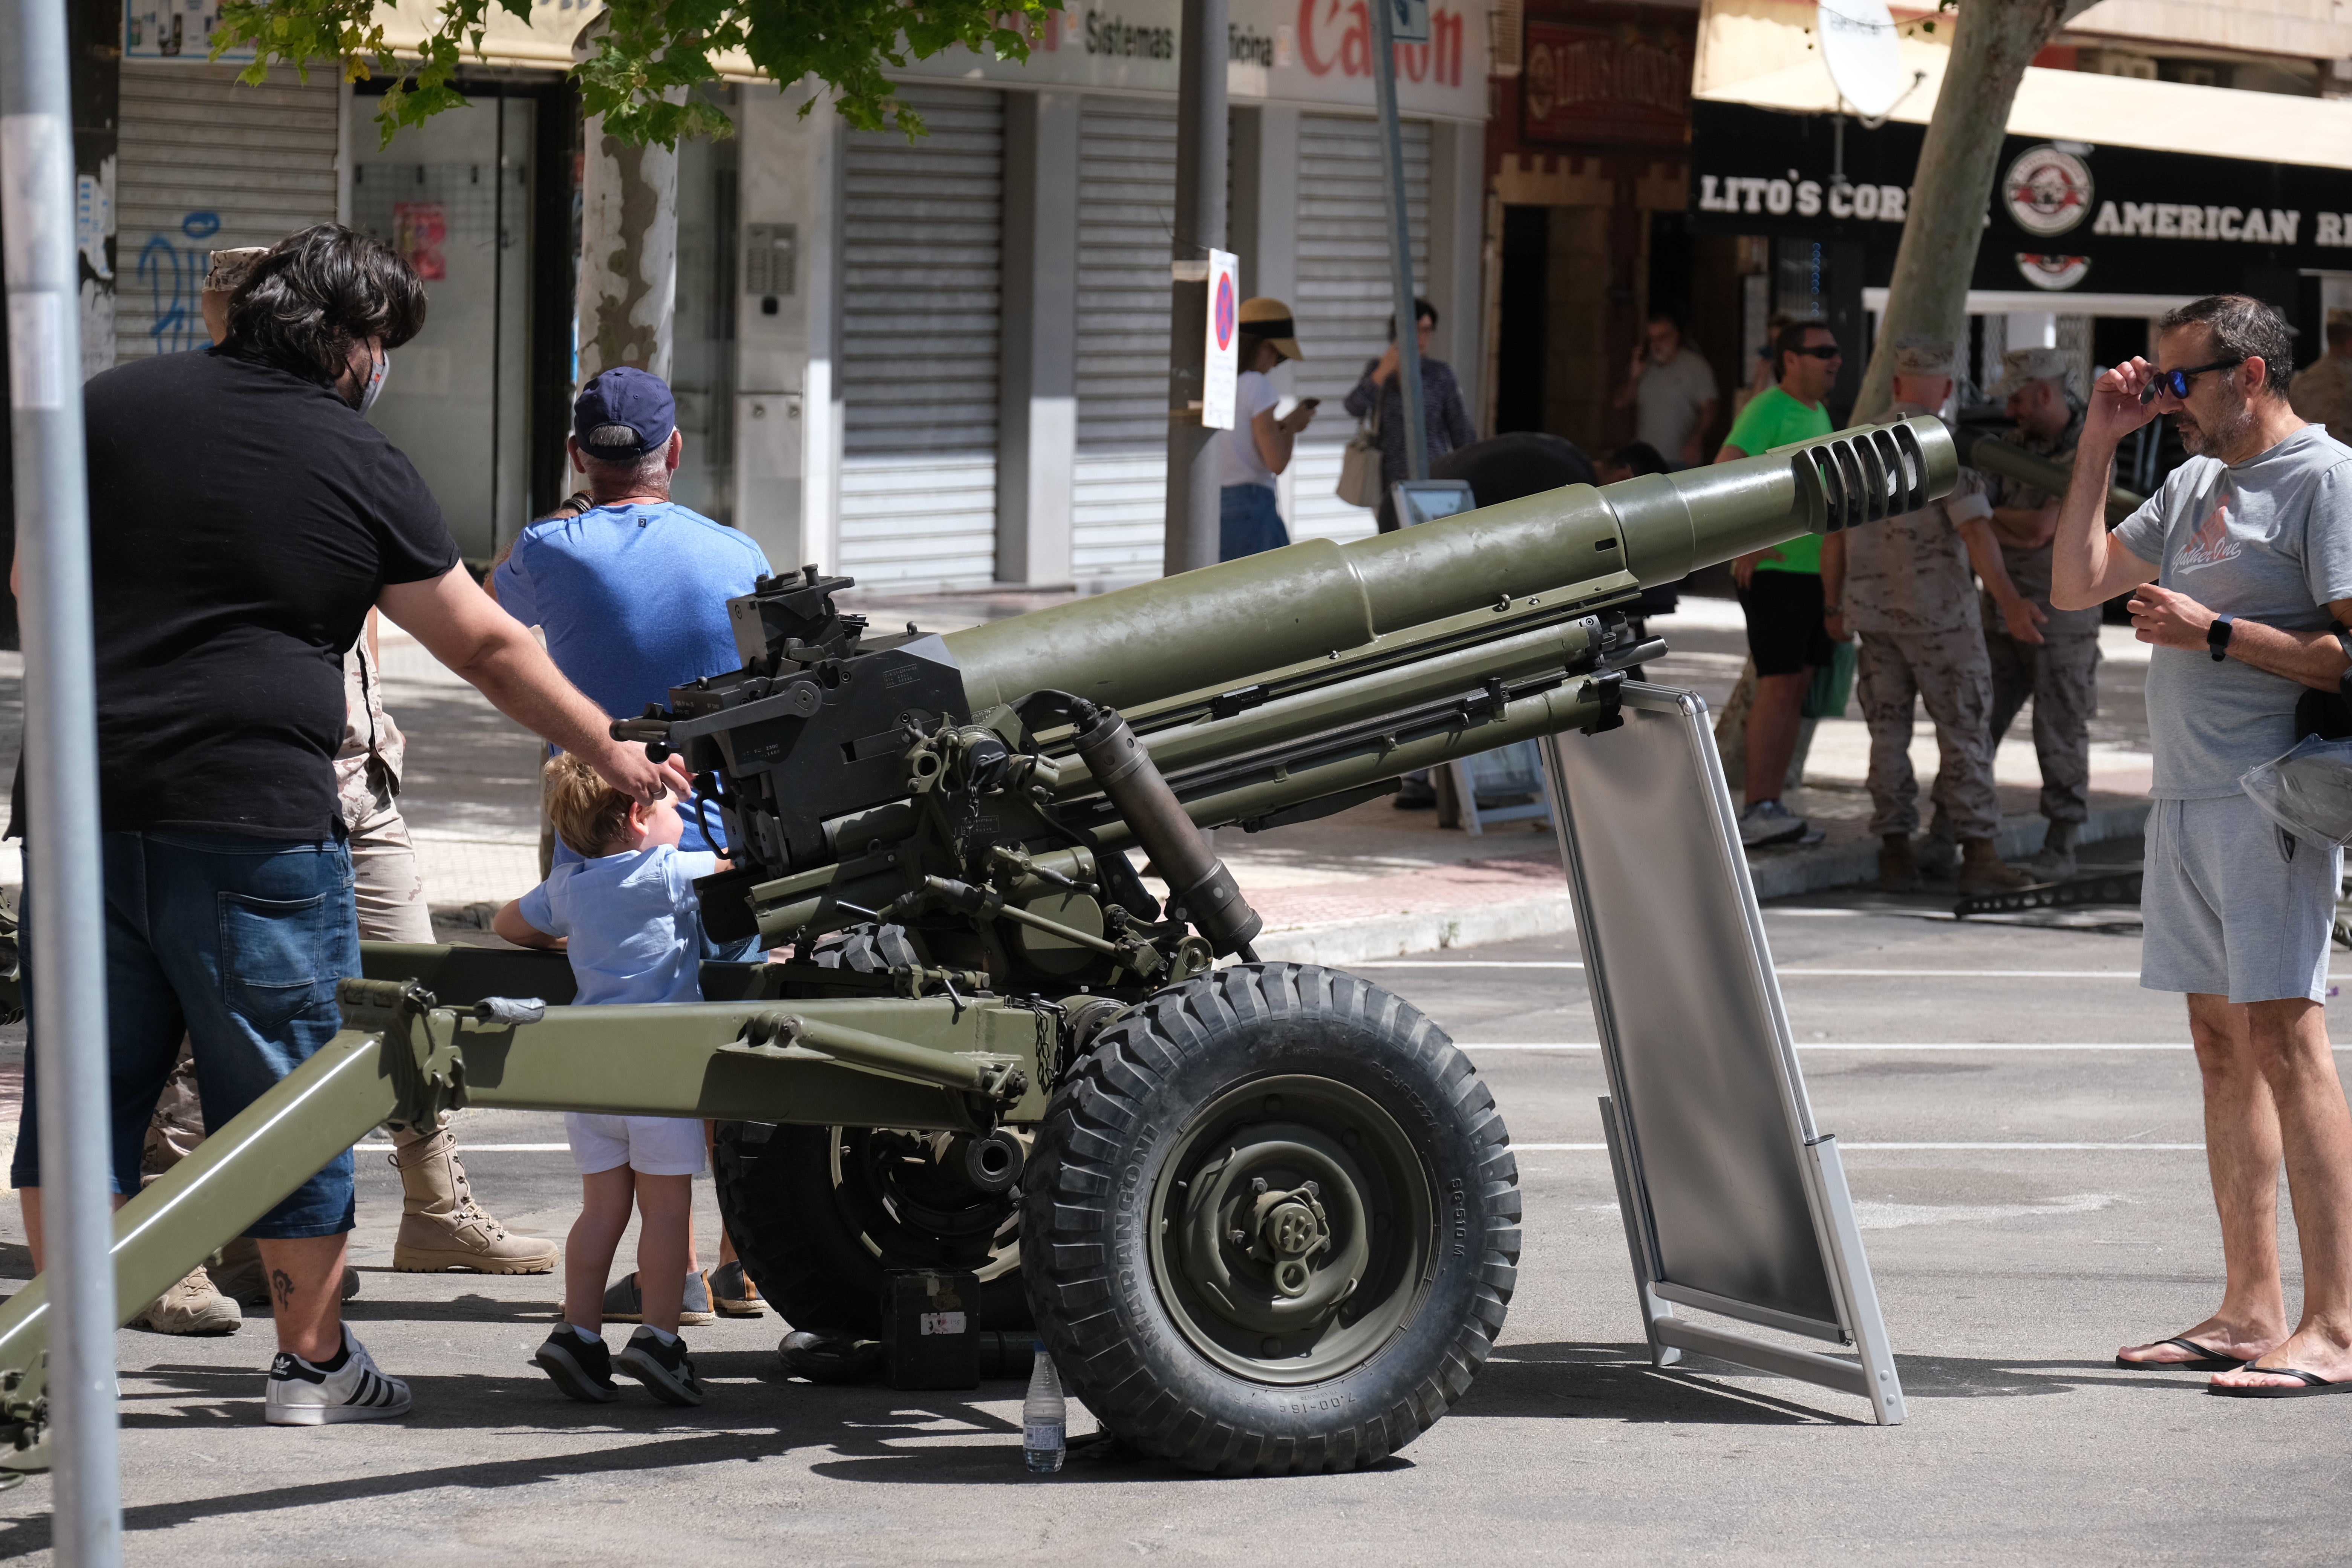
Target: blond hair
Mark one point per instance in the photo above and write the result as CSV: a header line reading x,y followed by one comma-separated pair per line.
x,y
590,816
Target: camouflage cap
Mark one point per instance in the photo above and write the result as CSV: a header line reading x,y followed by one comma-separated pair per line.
x,y
1922,354
230,268
2020,366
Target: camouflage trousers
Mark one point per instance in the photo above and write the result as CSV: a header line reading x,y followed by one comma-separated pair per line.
x,y
1947,671
2062,676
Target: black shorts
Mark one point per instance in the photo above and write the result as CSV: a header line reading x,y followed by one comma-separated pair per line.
x,y
1785,634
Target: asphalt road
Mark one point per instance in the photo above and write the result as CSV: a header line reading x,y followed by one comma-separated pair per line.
x,y
2022,1129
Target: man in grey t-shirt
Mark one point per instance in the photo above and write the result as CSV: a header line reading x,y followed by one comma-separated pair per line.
x,y
2240,568
1670,389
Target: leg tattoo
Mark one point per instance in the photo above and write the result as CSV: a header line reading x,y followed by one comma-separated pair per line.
x,y
281,1287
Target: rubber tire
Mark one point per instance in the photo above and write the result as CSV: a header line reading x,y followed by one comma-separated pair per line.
x,y
1097,1156
775,1196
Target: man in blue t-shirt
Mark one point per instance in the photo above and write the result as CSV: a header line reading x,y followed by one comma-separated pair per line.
x,y
630,587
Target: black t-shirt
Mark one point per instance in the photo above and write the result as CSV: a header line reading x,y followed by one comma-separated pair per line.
x,y
243,519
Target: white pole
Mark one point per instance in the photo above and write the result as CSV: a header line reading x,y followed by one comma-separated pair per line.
x,y
66,931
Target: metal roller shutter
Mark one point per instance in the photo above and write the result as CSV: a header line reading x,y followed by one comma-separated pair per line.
x,y
207,163
1126,200
1345,294
923,249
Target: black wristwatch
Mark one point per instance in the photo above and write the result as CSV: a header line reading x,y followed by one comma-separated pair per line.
x,y
2217,637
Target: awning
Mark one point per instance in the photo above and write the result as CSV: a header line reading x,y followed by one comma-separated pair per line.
x,y
1761,53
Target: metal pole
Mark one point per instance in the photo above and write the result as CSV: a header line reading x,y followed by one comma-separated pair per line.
x,y
66,930
1193,494
1408,314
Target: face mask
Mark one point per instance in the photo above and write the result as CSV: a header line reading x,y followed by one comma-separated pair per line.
x,y
374,387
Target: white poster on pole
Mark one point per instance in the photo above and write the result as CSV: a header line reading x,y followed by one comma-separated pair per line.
x,y
1221,362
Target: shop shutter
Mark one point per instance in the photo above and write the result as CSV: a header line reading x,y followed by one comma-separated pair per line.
x,y
1346,294
206,164
922,247
1127,202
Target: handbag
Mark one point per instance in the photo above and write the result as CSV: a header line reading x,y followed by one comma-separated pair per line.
x,y
1832,683
1359,463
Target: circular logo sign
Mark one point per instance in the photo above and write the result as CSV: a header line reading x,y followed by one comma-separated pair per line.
x,y
2052,271
2048,190
1224,311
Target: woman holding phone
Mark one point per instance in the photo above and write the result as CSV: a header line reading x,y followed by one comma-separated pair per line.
x,y
1259,444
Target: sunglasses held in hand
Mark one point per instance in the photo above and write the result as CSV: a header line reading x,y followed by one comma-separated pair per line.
x,y
2174,383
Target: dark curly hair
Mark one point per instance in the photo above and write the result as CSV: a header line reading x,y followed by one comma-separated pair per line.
x,y
2242,329
320,290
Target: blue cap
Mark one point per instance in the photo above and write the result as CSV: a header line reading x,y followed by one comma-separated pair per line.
x,y
624,398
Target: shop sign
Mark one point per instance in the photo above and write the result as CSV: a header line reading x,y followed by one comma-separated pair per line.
x,y
1309,52
2063,214
1621,86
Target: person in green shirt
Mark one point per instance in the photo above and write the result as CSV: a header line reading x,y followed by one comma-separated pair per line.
x,y
1780,588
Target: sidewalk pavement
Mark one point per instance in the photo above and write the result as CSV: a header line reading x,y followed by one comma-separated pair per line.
x,y
1369,882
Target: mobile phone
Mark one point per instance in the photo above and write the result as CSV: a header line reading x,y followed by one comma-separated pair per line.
x,y
1310,402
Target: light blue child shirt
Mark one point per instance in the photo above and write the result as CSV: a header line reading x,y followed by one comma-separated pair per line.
x,y
634,924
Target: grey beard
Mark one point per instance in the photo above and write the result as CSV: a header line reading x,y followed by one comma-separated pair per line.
x,y
2228,436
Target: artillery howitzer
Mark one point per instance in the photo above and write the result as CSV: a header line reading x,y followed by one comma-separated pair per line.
x,y
1264,1217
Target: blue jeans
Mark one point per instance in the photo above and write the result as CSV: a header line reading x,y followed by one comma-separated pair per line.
x,y
1248,523
236,942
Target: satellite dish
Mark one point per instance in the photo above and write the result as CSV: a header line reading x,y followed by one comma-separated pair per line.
x,y
1858,45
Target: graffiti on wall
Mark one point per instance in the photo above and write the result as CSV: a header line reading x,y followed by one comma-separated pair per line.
x,y
174,273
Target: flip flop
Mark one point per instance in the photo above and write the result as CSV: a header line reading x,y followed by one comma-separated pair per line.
x,y
2205,1360
2311,1383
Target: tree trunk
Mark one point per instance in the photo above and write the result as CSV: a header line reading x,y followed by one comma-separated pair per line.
x,y
1992,43
628,255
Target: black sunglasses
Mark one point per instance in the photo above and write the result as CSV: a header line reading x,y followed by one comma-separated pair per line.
x,y
2174,383
1819,351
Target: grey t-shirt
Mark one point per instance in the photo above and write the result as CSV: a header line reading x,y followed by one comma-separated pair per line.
x,y
2270,539
1668,401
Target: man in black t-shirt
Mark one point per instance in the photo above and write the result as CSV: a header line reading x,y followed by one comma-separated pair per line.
x,y
244,518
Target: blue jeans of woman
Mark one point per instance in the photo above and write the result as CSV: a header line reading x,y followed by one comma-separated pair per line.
x,y
1248,523
235,943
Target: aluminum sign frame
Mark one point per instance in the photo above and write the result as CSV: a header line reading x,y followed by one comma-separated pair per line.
x,y
1734,1202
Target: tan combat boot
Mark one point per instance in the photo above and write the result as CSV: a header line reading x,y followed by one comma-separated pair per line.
x,y
1982,870
441,1226
1898,869
191,1307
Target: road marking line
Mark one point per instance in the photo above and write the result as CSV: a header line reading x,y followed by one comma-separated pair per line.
x,y
1837,974
470,1148
1872,1046
2002,1148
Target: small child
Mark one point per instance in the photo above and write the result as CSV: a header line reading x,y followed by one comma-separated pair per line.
x,y
627,917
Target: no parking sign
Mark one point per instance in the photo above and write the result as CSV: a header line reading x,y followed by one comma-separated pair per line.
x,y
1222,360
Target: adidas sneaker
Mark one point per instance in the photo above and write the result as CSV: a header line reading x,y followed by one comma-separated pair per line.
x,y
303,1395
666,1370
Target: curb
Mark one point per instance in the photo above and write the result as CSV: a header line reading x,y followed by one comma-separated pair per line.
x,y
1777,873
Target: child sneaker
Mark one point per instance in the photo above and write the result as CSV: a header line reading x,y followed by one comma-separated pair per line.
x,y
579,1363
666,1370
303,1395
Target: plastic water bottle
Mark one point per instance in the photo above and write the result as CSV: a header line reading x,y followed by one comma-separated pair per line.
x,y
1045,1417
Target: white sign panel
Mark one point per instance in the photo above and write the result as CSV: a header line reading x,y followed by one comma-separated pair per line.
x,y
1311,52
1409,21
1221,360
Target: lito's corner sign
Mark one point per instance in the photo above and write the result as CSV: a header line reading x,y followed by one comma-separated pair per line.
x,y
2063,214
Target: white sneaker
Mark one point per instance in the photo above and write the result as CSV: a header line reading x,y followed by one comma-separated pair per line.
x,y
1769,822
302,1394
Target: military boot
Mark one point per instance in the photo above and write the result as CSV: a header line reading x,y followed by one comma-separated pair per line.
x,y
1938,850
1899,869
194,1306
441,1226
1983,871
2055,861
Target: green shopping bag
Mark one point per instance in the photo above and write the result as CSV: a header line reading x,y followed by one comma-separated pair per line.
x,y
1832,684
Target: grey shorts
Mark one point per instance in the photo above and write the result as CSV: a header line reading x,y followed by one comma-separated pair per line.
x,y
2232,906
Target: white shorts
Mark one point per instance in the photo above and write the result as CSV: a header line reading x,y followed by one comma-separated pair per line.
x,y
649,1145
2231,906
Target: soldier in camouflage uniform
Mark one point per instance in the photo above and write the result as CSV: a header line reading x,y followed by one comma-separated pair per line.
x,y
1904,586
2059,669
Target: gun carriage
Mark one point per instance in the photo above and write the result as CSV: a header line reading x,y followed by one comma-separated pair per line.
x,y
1264,1215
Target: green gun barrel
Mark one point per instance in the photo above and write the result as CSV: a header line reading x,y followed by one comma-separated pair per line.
x,y
1577,545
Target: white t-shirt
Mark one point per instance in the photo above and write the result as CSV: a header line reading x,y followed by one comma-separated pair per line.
x,y
1239,462
1668,401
